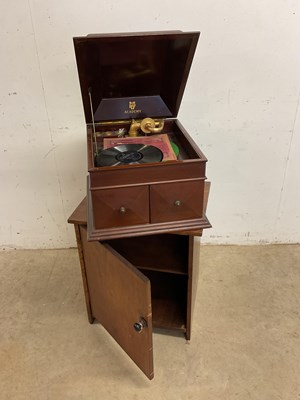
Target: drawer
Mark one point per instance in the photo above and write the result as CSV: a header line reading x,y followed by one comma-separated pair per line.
x,y
176,201
120,207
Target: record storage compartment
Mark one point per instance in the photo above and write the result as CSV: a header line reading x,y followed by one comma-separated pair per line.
x,y
164,259
151,276
167,261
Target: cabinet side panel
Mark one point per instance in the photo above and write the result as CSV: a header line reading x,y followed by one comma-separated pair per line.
x,y
193,275
120,295
83,274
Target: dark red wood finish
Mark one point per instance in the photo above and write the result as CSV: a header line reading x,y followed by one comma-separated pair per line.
x,y
131,65
169,261
165,177
121,207
150,69
138,257
120,295
176,201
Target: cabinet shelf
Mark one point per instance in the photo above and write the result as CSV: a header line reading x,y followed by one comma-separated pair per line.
x,y
149,252
163,269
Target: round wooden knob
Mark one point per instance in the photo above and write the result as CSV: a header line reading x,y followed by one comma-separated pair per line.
x,y
122,210
177,203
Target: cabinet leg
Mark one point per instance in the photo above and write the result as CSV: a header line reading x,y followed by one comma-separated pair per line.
x,y
83,274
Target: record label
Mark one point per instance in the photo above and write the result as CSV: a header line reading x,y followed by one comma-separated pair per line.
x,y
129,156
126,154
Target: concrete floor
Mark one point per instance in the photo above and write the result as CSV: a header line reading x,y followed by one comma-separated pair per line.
x,y
245,339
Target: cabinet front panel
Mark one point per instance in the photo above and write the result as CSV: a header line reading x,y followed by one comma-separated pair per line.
x,y
120,298
176,201
120,207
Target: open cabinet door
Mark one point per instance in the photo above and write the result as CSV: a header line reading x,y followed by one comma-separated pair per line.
x,y
120,297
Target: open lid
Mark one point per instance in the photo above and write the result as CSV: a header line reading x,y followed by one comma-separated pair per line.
x,y
134,75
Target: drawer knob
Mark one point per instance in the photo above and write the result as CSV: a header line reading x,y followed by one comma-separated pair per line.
x,y
177,203
139,326
122,210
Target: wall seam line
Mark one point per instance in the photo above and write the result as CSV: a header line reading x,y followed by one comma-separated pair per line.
x,y
288,158
47,114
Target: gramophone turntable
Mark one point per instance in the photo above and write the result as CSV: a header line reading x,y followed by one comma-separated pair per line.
x,y
132,86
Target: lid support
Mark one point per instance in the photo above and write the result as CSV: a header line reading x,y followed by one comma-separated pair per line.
x,y
93,121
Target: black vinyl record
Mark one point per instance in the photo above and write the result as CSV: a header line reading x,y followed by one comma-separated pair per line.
x,y
126,154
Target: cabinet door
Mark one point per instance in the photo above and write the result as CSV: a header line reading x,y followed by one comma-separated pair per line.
x,y
120,298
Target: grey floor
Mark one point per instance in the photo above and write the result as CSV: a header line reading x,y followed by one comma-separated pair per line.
x,y
245,339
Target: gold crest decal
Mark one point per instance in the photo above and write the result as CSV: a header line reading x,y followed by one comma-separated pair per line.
x,y
132,108
132,105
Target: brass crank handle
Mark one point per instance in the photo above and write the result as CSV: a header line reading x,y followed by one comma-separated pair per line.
x,y
148,125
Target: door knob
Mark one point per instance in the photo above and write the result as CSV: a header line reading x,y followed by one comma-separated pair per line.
x,y
122,210
177,203
139,326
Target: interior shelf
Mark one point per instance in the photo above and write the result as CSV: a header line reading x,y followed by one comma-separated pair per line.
x,y
149,252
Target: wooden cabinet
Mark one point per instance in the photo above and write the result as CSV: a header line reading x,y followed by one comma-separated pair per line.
x,y
135,232
135,284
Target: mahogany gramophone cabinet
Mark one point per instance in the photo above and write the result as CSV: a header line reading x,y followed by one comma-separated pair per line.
x,y
135,231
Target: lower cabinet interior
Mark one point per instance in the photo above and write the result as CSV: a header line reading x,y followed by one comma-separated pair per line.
x,y
169,300
164,260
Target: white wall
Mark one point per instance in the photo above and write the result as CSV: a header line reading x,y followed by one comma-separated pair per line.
x,y
240,105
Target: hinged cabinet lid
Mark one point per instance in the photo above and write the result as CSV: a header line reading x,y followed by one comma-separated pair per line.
x,y
134,75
